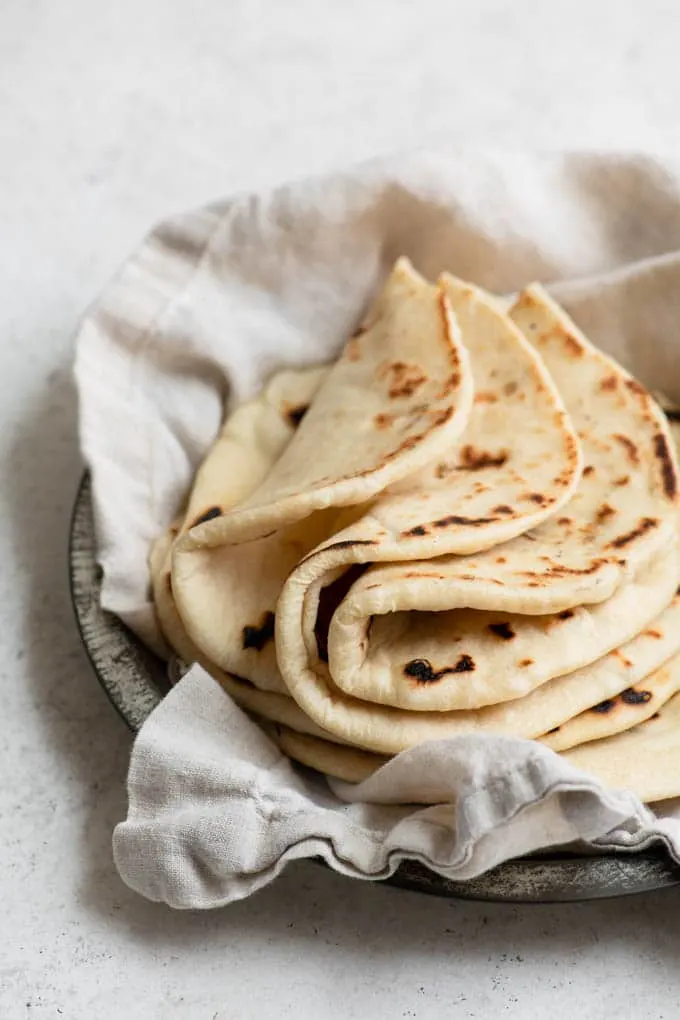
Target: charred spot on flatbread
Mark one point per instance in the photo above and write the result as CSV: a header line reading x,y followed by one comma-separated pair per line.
x,y
422,671
257,636
208,515
502,630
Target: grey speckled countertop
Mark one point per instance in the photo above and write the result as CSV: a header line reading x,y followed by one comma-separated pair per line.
x,y
112,116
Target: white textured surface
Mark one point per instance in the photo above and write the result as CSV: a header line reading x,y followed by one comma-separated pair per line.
x,y
112,116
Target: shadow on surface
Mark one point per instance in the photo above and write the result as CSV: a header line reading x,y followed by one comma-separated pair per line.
x,y
311,911
74,718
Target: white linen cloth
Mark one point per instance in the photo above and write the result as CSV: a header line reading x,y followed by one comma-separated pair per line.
x,y
212,304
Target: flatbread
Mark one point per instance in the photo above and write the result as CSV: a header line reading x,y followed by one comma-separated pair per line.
x,y
621,712
389,730
400,394
400,636
408,362
348,763
218,576
341,537
549,706
518,462
645,759
250,442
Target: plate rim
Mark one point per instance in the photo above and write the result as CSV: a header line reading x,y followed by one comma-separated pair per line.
x,y
115,653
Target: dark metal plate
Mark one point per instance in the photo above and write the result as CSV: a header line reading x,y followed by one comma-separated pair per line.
x,y
135,681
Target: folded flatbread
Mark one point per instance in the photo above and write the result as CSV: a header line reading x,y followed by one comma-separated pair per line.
x,y
469,523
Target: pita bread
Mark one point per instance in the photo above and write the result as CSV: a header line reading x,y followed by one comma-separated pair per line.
x,y
599,582
645,759
250,442
621,712
409,359
218,577
552,705
342,762
252,439
389,730
425,657
518,462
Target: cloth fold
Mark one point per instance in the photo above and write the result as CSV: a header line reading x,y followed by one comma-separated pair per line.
x,y
213,303
221,811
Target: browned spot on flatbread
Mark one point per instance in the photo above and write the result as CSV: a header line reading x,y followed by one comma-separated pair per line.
x,y
625,662
416,531
525,662
446,522
623,480
403,379
663,454
441,417
502,630
537,497
604,512
564,478
501,559
631,696
645,524
510,388
503,509
383,421
485,397
603,706
257,636
566,614
629,446
561,570
653,633
207,515
637,388
588,470
414,573
472,459
422,672
565,520
571,344
610,383
296,414
448,385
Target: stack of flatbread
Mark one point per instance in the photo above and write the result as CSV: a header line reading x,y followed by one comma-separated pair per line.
x,y
468,523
